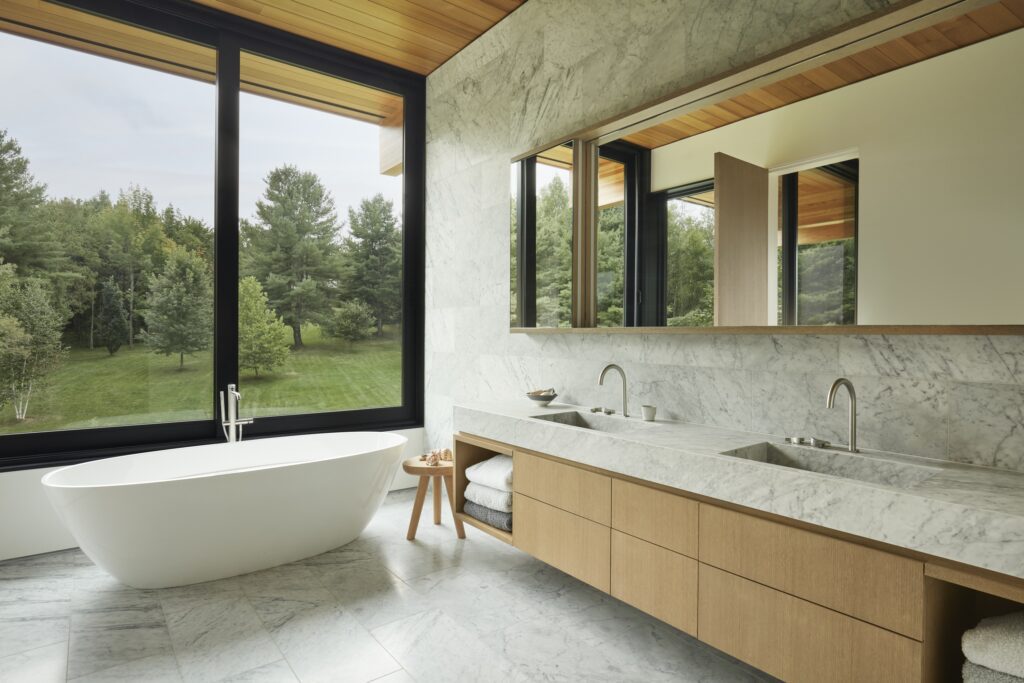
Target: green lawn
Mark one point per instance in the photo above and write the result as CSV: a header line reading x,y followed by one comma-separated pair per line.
x,y
136,386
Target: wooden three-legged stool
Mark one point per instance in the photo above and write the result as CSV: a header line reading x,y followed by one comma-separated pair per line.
x,y
426,472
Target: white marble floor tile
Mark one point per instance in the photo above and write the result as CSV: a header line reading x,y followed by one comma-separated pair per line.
x,y
275,672
99,648
20,634
325,644
218,636
155,669
400,676
372,594
280,593
426,644
48,664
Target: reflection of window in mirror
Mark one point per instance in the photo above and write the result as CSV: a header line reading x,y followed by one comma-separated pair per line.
x,y
611,242
818,245
541,239
690,255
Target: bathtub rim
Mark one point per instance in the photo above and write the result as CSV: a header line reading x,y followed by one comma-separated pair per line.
x,y
46,480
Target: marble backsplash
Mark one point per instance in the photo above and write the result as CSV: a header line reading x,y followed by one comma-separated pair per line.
x,y
538,75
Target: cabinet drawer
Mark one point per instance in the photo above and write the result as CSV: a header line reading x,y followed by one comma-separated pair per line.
x,y
570,488
655,580
566,541
661,518
796,640
869,584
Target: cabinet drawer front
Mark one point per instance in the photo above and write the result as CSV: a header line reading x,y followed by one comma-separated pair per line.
x,y
796,640
661,518
570,488
869,584
566,541
655,580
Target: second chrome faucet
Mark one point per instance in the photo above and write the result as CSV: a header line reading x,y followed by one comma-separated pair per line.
x,y
622,373
830,402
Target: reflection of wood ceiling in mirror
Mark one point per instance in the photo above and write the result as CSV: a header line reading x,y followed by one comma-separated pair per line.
x,y
826,207
974,26
611,176
418,35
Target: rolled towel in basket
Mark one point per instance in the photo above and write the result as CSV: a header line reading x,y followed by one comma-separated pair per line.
x,y
997,643
495,473
488,497
972,673
499,520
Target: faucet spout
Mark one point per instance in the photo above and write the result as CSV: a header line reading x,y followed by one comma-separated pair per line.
x,y
831,400
622,373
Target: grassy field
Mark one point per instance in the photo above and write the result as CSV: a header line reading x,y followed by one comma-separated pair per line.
x,y
136,386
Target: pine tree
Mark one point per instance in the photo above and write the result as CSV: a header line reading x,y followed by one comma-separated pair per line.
x,y
373,259
179,308
263,338
111,317
292,248
351,321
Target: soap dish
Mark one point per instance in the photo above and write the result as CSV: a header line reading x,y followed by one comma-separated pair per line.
x,y
542,397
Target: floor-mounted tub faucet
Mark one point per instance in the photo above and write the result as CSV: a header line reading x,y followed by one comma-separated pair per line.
x,y
843,382
622,373
230,422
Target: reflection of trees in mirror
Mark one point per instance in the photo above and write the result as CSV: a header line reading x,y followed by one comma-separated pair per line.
x,y
611,263
690,281
513,263
554,255
826,283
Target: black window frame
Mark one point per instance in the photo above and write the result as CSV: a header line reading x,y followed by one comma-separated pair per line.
x,y
230,35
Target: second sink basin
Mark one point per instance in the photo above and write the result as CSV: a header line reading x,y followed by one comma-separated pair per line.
x,y
614,424
874,469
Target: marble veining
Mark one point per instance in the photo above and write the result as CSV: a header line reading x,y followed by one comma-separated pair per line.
x,y
535,77
379,609
970,514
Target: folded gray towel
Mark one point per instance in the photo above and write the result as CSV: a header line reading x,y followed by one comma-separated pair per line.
x,y
973,673
997,643
499,520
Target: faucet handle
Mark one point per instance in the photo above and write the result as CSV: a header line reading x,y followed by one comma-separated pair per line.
x,y
820,443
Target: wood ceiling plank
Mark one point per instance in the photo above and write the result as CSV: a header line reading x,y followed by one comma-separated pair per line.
x,y
386,21
931,42
429,15
482,9
824,79
803,86
962,30
995,19
875,61
471,19
901,51
1016,7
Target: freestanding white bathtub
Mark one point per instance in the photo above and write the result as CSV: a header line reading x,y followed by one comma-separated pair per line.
x,y
181,516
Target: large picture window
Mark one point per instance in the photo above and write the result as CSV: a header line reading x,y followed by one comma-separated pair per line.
x,y
184,204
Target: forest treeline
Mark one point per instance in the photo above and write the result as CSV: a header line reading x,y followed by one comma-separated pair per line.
x,y
114,271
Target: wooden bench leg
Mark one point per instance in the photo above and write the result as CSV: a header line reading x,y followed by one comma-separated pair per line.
x,y
459,528
417,508
437,500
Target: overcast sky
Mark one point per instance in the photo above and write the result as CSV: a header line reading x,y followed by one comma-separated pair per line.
x,y
88,123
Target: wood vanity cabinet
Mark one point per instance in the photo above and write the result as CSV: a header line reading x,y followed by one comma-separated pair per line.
x,y
800,604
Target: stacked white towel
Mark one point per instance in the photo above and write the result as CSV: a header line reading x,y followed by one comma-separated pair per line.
x,y
495,473
488,497
996,644
489,493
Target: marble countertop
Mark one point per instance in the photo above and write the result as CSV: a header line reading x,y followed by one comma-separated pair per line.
x,y
973,515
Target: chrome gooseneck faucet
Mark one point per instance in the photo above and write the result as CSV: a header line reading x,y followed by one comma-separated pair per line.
x,y
230,422
622,373
843,382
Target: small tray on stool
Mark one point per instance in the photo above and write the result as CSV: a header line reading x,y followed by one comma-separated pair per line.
x,y
441,472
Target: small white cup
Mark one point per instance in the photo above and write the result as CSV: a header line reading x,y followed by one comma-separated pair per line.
x,y
648,412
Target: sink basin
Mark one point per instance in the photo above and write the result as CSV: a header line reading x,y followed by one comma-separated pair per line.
x,y
874,469
614,424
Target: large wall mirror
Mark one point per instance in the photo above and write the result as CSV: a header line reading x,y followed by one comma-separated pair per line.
x,y
881,186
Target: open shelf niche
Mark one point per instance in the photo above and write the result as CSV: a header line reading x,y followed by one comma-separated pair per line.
x,y
468,451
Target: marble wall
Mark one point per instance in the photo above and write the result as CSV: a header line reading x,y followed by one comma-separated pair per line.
x,y
540,74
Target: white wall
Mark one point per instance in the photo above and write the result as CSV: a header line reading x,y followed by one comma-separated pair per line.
x,y
29,526
941,208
